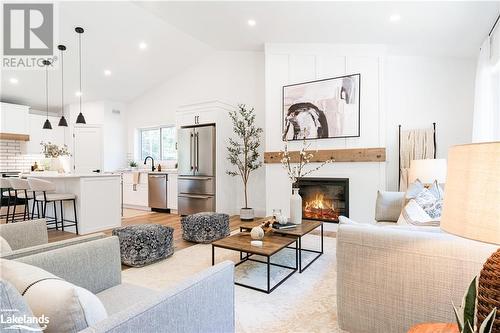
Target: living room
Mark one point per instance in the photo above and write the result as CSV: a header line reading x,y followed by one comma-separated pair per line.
x,y
216,156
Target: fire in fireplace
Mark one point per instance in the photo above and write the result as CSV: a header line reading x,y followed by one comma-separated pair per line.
x,y
324,199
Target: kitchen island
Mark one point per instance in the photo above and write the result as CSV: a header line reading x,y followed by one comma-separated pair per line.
x,y
98,199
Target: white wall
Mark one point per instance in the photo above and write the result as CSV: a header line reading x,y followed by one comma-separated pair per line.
x,y
231,77
411,91
113,125
294,63
423,90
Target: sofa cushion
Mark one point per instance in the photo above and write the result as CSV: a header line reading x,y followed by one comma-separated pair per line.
x,y
11,299
69,307
388,206
413,189
120,297
414,214
4,247
432,205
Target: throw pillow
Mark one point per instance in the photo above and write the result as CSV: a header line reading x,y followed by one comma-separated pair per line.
x,y
431,204
4,246
413,190
15,309
70,308
414,214
388,206
437,190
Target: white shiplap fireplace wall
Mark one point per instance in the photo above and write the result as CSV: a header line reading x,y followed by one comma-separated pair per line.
x,y
295,63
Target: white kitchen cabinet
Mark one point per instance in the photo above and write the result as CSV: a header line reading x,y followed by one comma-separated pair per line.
x,y
172,191
193,118
14,119
135,195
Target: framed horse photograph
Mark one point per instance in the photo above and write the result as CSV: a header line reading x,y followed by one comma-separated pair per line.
x,y
322,109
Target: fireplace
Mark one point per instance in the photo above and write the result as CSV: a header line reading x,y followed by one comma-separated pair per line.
x,y
324,199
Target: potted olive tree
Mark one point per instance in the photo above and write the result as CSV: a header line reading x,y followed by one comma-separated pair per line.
x,y
243,151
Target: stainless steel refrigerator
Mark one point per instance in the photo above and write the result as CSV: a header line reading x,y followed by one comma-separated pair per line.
x,y
196,180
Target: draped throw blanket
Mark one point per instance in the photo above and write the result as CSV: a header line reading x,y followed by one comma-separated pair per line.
x,y
416,144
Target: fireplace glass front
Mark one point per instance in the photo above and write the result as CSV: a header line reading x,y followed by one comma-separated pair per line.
x,y
324,199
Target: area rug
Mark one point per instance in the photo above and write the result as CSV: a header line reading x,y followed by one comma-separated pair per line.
x,y
305,302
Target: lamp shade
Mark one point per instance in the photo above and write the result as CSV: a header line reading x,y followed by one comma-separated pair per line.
x,y
427,171
472,198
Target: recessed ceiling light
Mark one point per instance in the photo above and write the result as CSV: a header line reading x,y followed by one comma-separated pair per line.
x,y
395,18
251,23
143,45
13,80
78,93
107,72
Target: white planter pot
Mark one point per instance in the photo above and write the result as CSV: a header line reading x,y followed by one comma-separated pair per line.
x,y
295,207
246,214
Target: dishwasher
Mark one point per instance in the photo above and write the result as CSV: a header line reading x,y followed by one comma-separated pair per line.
x,y
157,191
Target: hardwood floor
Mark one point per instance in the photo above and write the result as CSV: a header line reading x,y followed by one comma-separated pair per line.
x,y
169,220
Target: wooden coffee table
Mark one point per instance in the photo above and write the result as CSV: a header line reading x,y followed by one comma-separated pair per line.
x,y
272,244
297,232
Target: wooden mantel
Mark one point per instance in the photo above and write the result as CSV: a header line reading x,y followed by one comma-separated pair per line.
x,y
338,155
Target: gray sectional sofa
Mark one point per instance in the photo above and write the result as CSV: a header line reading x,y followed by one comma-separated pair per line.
x,y
203,303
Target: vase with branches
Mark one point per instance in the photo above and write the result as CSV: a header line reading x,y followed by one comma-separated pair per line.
x,y
243,151
296,166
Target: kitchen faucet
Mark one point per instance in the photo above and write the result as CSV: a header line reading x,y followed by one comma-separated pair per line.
x,y
152,163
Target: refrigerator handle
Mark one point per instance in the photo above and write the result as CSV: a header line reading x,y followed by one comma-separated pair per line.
x,y
197,151
191,151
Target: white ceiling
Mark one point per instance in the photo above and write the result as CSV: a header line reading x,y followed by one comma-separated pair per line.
x,y
179,34
448,28
113,31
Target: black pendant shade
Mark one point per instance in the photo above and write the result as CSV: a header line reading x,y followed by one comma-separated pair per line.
x,y
62,121
47,124
80,119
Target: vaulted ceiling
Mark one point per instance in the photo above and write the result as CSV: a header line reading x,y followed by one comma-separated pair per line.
x,y
180,33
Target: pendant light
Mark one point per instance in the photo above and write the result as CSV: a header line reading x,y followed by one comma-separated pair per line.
x,y
47,124
80,119
62,121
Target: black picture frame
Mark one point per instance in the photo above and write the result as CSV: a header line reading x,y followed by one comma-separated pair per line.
x,y
286,109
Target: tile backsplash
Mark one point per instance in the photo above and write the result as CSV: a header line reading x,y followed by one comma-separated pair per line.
x,y
12,157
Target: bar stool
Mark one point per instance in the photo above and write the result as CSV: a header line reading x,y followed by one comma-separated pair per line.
x,y
5,192
20,188
48,196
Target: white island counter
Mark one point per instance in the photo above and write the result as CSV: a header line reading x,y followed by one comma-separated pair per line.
x,y
98,199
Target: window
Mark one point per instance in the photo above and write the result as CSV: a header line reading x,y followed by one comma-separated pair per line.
x,y
159,143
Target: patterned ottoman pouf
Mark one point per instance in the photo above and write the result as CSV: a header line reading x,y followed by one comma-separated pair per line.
x,y
144,244
205,227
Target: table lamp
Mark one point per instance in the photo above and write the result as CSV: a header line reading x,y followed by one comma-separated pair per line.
x,y
427,171
471,209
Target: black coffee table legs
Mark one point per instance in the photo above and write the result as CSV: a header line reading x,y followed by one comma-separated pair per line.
x,y
319,253
244,257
